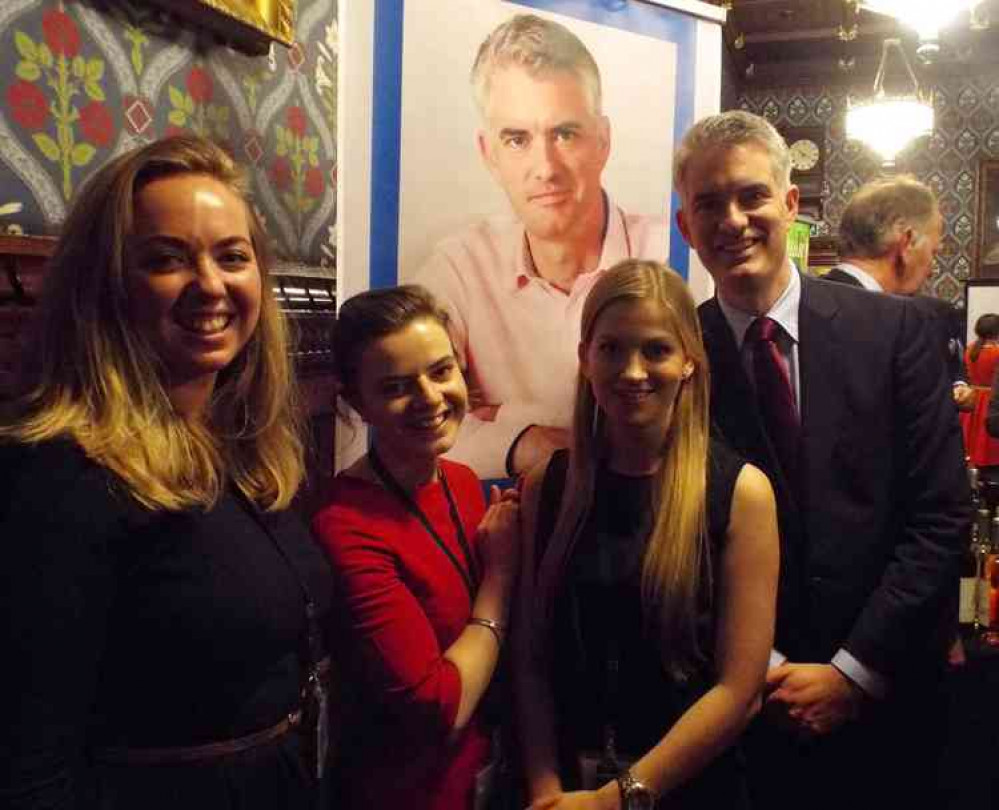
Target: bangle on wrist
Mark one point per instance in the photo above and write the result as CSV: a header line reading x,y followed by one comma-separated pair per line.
x,y
495,627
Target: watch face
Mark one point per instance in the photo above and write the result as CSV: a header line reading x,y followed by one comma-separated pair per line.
x,y
804,155
640,798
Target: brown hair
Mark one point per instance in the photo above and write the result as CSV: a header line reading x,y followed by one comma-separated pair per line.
x,y
879,211
374,314
96,379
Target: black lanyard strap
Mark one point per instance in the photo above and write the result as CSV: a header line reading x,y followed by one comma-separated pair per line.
x,y
467,572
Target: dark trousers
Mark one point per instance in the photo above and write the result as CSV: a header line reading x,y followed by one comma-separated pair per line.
x,y
888,757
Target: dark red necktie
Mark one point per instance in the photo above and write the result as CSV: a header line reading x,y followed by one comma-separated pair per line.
x,y
774,394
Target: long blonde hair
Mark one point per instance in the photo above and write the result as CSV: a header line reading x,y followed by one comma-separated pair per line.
x,y
676,569
94,378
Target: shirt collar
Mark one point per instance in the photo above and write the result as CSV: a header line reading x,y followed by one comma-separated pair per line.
x,y
867,281
784,311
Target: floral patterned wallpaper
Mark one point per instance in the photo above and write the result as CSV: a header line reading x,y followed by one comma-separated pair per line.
x,y
966,131
84,80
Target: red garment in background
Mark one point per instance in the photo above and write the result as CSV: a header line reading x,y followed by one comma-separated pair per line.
x,y
981,448
403,604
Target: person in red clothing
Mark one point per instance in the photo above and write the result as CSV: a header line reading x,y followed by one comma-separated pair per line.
x,y
423,568
982,360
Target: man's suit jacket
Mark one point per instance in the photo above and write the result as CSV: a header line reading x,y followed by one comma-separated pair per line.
x,y
872,528
940,314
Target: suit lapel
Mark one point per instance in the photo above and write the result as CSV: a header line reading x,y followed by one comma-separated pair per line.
x,y
820,359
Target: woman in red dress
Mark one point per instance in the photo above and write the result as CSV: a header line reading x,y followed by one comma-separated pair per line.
x,y
423,569
981,360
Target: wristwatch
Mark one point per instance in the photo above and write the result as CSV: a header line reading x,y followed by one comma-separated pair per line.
x,y
634,794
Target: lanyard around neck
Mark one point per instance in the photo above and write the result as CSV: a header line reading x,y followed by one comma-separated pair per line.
x,y
467,572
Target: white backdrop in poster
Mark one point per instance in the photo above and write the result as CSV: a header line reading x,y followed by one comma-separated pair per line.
x,y
439,160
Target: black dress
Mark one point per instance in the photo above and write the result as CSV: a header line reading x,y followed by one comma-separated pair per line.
x,y
124,628
598,620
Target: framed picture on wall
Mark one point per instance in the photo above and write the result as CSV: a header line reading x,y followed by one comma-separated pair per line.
x,y
987,242
250,25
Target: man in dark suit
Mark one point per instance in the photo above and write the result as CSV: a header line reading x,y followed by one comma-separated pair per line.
x,y
872,495
889,234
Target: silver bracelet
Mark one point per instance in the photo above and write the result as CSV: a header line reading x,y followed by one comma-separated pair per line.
x,y
496,628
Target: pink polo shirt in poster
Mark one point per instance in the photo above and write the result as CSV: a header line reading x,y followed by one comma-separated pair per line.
x,y
516,334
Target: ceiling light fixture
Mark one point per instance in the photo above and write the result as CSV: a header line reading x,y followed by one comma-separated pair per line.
x,y
888,123
927,17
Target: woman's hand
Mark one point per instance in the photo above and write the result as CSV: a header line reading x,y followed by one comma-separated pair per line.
x,y
499,534
579,800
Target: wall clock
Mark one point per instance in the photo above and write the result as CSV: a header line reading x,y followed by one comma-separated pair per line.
x,y
807,147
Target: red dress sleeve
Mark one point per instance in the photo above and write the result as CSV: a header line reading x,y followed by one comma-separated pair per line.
x,y
404,602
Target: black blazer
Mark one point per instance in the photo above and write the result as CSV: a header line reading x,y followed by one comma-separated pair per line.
x,y
872,530
941,315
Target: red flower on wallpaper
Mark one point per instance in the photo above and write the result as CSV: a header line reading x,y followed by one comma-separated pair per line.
x,y
61,34
28,105
281,173
297,121
314,182
96,124
199,85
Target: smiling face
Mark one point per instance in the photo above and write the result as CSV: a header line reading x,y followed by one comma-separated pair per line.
x,y
635,365
192,279
547,149
410,390
736,216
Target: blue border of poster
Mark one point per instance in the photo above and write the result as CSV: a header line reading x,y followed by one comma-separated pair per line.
x,y
649,20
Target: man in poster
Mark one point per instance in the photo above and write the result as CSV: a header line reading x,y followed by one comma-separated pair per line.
x,y
515,285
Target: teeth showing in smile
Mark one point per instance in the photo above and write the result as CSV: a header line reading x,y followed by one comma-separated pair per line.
x,y
204,324
634,395
431,422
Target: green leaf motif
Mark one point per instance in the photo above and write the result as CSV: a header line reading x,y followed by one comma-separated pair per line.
x,y
94,90
29,71
313,159
308,204
79,67
176,98
188,103
289,200
178,118
26,46
95,70
282,142
48,147
82,154
44,55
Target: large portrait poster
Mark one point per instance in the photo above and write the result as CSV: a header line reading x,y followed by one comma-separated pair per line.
x,y
436,189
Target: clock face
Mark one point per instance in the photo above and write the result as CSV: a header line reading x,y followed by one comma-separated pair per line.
x,y
804,155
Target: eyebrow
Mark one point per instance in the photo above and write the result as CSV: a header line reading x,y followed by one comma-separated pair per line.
x,y
572,126
437,364
158,239
746,189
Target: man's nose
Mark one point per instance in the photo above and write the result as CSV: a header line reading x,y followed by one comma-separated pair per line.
x,y
733,216
547,161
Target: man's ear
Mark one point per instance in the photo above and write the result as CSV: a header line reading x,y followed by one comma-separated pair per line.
x,y
791,199
899,250
605,136
681,223
485,149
